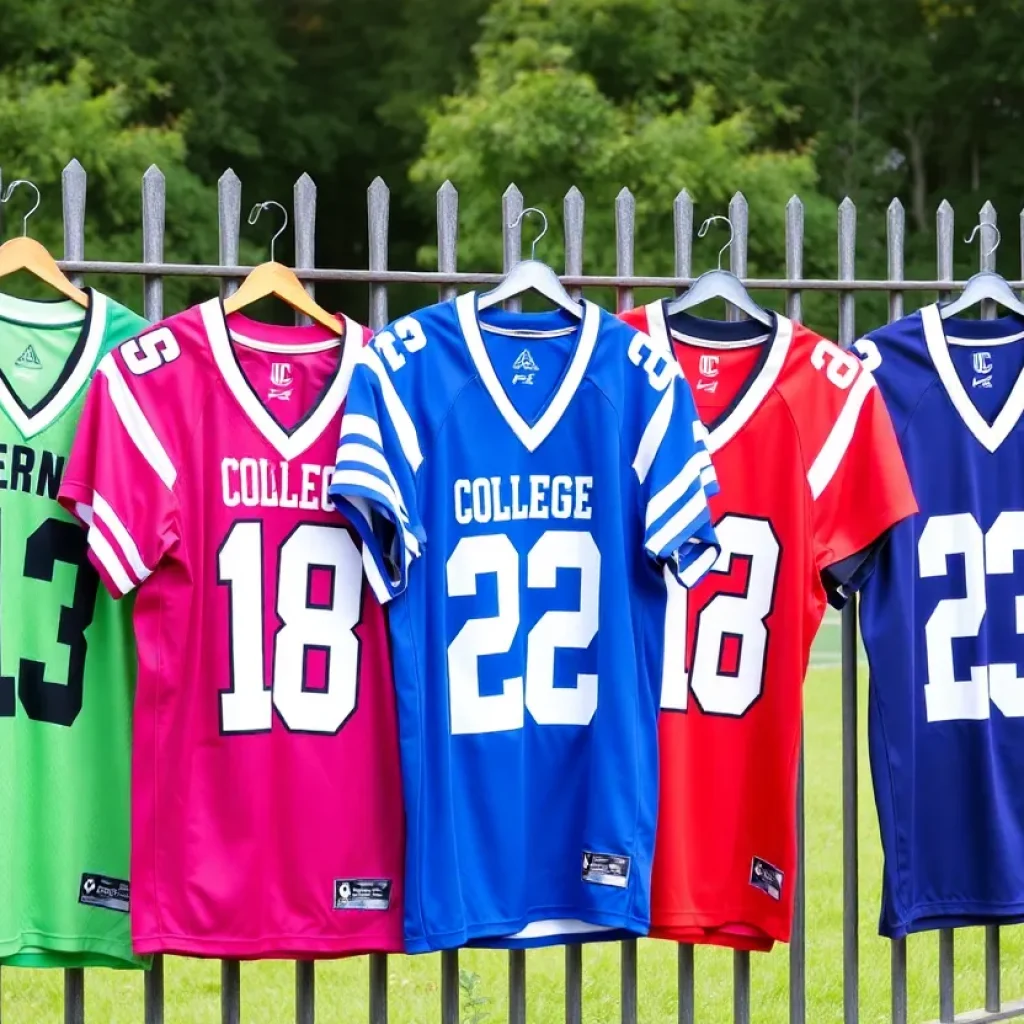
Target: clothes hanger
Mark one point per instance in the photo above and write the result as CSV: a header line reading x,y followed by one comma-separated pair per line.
x,y
986,284
719,284
26,253
532,275
273,278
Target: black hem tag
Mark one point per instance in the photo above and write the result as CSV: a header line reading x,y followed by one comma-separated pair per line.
x,y
362,893
605,869
104,892
766,877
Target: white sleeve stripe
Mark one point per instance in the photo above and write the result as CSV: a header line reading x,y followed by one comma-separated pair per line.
x,y
708,476
351,451
694,572
109,560
374,577
679,524
119,532
654,434
661,502
404,427
136,425
369,482
838,441
353,423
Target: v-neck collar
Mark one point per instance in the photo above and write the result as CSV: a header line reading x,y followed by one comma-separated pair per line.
x,y
289,443
532,435
989,435
31,420
752,392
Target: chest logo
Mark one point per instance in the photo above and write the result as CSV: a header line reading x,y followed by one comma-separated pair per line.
x,y
525,367
28,360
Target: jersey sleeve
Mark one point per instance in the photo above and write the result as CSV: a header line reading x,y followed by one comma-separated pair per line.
x,y
675,475
860,490
374,481
120,479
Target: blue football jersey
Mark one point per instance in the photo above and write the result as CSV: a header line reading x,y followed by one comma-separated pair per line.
x,y
941,619
521,482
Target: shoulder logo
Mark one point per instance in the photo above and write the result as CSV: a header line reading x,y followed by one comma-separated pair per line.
x,y
280,381
525,367
29,360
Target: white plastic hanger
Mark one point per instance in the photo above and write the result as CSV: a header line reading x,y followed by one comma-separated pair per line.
x,y
985,285
719,284
532,275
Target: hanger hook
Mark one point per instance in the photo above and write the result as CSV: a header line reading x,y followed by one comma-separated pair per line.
x,y
981,227
7,195
704,230
254,215
543,232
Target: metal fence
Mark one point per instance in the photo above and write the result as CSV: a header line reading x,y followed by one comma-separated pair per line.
x,y
152,269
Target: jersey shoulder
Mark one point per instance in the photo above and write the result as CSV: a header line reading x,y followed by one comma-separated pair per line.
x,y
120,322
897,355
819,382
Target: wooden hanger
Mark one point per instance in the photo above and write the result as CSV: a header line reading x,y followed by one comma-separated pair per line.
x,y
276,279
26,253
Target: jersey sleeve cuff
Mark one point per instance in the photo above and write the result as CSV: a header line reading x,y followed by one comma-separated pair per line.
x,y
843,578
111,549
389,545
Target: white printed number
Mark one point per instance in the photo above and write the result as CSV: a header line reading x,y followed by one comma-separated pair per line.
x,y
985,554
474,712
249,705
150,350
741,616
659,366
407,331
870,357
839,366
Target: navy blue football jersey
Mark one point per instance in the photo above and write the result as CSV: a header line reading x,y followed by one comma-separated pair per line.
x,y
942,617
521,482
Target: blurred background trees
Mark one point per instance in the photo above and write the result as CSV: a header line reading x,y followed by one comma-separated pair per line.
x,y
919,99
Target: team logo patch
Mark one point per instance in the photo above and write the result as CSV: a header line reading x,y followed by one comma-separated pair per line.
x,y
605,869
280,381
362,893
101,891
709,366
766,877
28,360
982,362
525,368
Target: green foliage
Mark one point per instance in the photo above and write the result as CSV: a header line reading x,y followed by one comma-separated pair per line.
x,y
44,121
472,1002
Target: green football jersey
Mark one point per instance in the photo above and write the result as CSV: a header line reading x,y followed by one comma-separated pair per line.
x,y
67,659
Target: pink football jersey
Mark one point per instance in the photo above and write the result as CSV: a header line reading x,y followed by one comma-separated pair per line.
x,y
266,795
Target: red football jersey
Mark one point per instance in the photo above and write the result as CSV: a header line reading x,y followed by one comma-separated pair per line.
x,y
811,480
266,794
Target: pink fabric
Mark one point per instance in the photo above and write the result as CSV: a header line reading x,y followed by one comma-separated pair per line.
x,y
260,802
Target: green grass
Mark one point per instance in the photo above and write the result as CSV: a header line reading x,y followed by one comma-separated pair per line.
x,y
192,987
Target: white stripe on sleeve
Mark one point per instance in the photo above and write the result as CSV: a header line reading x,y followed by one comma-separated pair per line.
x,y
654,434
365,426
373,576
135,423
661,502
832,451
129,549
108,559
694,572
678,524
400,418
352,451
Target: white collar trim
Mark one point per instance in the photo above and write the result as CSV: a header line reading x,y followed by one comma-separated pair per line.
x,y
989,435
756,390
289,446
96,316
531,436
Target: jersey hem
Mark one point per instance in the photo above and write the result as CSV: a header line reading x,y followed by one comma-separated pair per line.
x,y
929,916
62,951
274,947
756,936
497,934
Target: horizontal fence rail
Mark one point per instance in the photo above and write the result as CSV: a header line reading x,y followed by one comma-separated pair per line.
x,y
447,279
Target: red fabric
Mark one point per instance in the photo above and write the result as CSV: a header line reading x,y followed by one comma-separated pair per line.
x,y
730,747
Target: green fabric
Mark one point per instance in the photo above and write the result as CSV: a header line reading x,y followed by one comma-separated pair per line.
x,y
67,658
